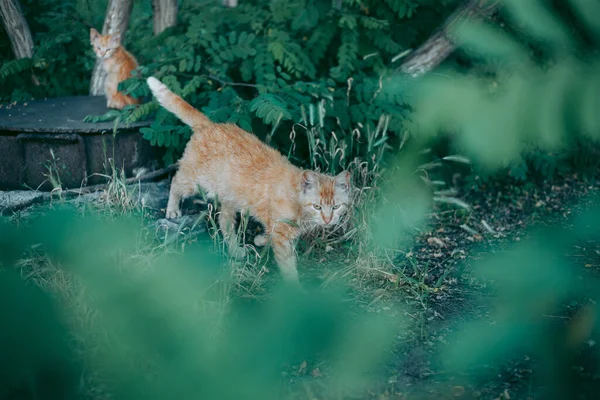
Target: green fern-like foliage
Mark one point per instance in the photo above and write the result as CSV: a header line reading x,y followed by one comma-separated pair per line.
x,y
14,67
270,108
263,65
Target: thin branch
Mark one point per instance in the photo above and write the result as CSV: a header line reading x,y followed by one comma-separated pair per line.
x,y
440,45
142,178
71,193
225,83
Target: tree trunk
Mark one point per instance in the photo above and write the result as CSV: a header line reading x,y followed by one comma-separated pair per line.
x,y
16,28
230,3
116,20
440,45
164,14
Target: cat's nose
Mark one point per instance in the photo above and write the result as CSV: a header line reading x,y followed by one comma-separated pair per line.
x,y
327,220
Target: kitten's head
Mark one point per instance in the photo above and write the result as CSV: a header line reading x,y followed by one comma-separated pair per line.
x,y
104,45
324,198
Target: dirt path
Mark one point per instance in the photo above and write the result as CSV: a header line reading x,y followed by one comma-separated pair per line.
x,y
502,216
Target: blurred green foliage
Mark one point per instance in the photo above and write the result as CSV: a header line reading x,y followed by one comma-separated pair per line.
x,y
523,106
535,105
118,320
37,361
164,326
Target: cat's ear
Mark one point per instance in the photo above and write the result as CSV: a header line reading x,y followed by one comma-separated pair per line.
x,y
342,181
94,34
309,180
115,39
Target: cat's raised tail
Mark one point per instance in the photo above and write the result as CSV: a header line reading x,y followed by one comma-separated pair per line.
x,y
169,100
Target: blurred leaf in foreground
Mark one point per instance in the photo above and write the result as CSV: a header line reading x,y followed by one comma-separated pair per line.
x,y
165,326
533,282
519,101
37,361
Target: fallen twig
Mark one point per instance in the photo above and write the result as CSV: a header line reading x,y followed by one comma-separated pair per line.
x,y
146,177
70,193
440,45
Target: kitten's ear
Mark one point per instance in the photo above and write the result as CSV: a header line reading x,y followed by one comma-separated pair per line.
x,y
309,180
94,34
115,39
342,181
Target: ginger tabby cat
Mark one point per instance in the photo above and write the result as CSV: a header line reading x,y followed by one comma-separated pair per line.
x,y
118,64
246,174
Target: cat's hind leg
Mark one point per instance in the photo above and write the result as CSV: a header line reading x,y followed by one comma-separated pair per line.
x,y
227,227
262,239
116,102
181,187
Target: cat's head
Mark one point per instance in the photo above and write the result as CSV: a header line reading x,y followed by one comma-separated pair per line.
x,y
104,45
324,198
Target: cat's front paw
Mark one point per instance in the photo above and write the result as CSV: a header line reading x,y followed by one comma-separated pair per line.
x,y
173,214
115,104
261,240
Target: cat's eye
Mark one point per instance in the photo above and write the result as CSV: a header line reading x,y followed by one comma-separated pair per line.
x,y
335,207
316,206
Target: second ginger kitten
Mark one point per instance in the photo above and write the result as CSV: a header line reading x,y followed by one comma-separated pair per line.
x,y
246,174
118,64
